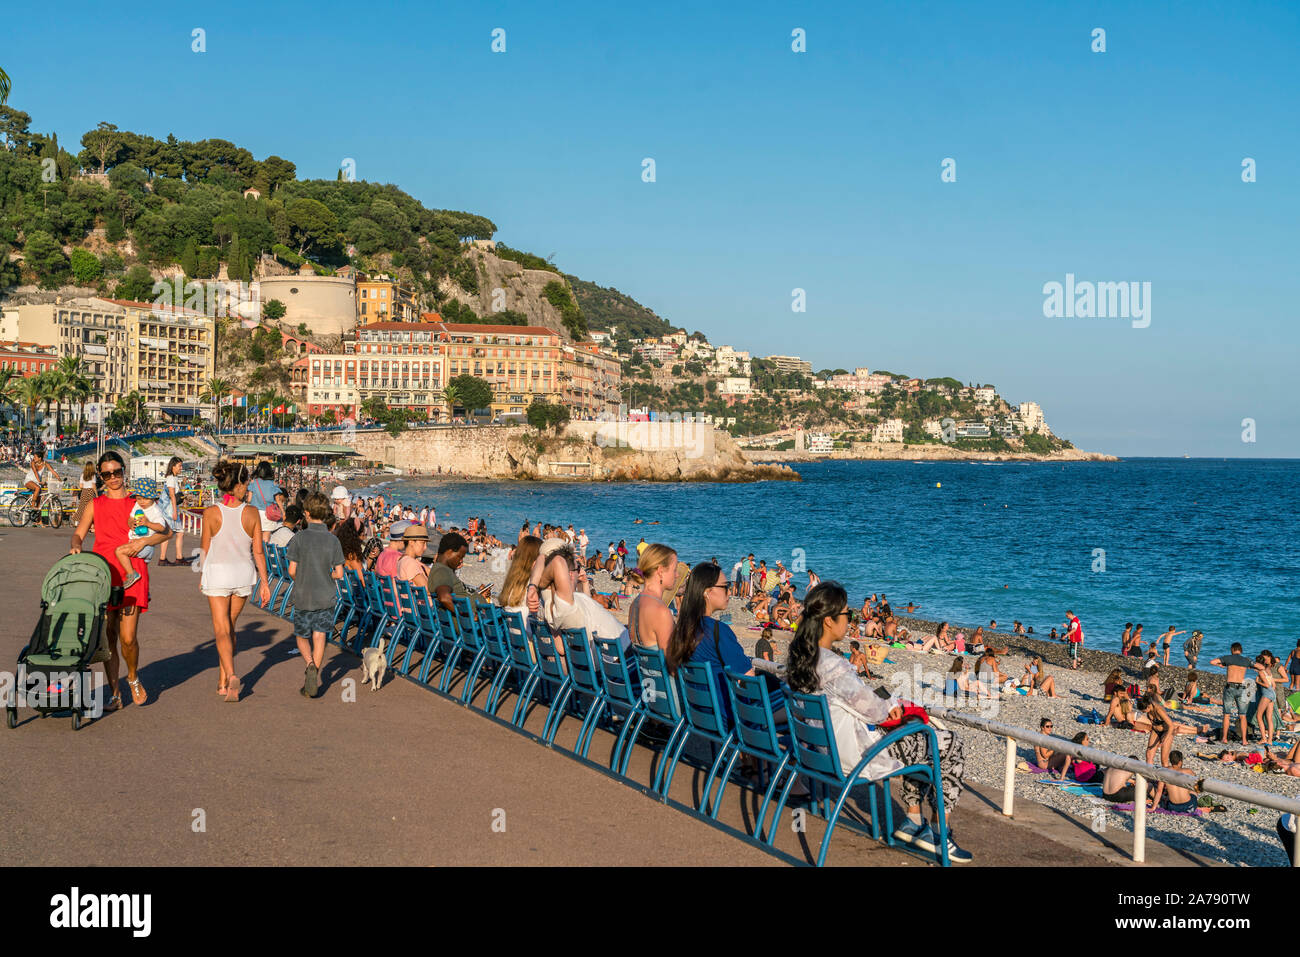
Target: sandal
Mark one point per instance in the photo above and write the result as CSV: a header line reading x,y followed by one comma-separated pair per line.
x,y
232,690
137,691
114,703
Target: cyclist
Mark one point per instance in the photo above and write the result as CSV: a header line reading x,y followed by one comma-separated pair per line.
x,y
37,477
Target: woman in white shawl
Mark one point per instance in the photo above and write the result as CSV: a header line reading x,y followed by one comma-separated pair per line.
x,y
558,591
857,710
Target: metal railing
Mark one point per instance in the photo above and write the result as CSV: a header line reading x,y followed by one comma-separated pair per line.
x,y
1105,759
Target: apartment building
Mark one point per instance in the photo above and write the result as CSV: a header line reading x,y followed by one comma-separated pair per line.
x,y
889,430
1030,415
790,364
26,359
985,395
727,360
399,363
521,363
384,299
590,378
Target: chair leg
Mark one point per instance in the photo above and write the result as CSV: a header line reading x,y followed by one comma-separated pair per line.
x,y
723,751
663,758
831,822
767,799
588,729
556,715
780,803
627,744
675,759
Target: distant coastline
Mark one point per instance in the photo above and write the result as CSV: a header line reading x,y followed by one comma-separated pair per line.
x,y
897,452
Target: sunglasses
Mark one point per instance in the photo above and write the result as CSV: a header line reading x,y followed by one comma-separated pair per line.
x,y
109,473
721,585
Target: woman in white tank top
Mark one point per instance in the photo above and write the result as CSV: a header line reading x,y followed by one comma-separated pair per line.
x,y
232,563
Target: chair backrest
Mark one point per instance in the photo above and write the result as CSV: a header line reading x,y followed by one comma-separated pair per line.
x,y
374,594
274,567
493,625
548,656
470,630
752,707
658,692
356,588
447,624
388,596
424,616
812,735
583,671
618,672
700,700
521,650
406,603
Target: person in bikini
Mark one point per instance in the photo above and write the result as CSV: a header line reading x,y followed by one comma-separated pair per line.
x,y
1038,680
1121,711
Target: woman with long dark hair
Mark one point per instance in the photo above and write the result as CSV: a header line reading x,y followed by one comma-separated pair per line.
x,y
813,667
110,516
171,502
697,636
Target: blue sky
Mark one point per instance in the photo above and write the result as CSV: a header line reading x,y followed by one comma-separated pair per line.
x,y
816,170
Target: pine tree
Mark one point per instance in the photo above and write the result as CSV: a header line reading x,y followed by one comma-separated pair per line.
x,y
190,259
234,259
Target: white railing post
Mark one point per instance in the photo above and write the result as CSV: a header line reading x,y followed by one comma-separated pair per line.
x,y
1009,779
1139,819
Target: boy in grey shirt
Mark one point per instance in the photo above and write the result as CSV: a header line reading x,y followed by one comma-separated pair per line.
x,y
315,562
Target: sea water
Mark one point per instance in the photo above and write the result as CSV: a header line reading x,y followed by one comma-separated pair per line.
x,y
1196,543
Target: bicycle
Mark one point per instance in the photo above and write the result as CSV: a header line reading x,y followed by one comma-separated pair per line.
x,y
21,511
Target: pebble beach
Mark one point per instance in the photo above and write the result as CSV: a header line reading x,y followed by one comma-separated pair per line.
x,y
1242,835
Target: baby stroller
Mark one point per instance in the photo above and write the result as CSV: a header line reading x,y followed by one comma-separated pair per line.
x,y
54,669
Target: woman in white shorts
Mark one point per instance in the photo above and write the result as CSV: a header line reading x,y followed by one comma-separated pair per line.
x,y
232,563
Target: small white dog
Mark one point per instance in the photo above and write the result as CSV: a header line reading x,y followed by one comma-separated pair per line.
x,y
373,665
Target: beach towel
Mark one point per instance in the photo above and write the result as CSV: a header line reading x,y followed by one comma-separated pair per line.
x,y
1158,810
1073,787
1294,701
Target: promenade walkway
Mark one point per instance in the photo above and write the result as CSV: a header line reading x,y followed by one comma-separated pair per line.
x,y
400,776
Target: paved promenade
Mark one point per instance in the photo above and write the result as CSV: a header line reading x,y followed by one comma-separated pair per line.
x,y
399,776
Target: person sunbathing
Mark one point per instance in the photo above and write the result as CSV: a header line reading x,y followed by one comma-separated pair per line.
x,y
988,669
1192,697
961,680
1114,680
1043,756
1038,680
938,642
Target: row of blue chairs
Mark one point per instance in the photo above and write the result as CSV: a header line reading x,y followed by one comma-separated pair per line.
x,y
486,648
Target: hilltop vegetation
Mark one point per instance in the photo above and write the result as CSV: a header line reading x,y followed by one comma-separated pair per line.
x,y
606,307
179,203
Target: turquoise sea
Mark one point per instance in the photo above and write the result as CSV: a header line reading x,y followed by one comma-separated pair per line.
x,y
1196,543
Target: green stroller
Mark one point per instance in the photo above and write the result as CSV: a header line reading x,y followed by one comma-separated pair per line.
x,y
54,669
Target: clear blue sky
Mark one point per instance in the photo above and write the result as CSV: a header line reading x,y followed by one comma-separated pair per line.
x,y
818,170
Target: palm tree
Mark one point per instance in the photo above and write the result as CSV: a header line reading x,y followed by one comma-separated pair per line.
x,y
217,389
133,405
5,86
8,386
451,395
29,392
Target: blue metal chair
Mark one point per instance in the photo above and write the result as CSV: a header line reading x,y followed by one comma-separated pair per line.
x,y
756,735
622,697
282,559
473,645
450,644
659,702
410,618
552,678
817,757
495,657
707,719
345,607
275,577
585,679
430,632
378,616
523,666
394,626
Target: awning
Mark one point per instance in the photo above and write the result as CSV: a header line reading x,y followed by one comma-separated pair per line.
x,y
293,451
179,410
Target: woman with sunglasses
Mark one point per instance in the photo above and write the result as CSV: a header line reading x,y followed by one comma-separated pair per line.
x,y
857,711
110,515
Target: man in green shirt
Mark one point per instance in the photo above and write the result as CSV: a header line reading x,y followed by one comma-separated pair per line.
x,y
443,583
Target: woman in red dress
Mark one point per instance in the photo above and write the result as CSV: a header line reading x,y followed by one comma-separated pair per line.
x,y
110,516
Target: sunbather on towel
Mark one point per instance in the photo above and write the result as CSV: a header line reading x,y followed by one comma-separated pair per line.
x,y
1173,797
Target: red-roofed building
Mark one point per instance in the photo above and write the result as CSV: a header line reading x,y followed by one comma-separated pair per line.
x,y
26,359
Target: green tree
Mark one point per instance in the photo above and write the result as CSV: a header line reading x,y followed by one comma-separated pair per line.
x,y
136,285
44,256
6,85
190,258
86,268
273,310
474,393
313,223
103,144
451,396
